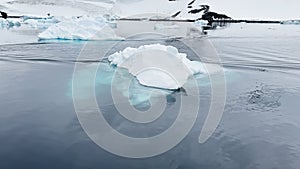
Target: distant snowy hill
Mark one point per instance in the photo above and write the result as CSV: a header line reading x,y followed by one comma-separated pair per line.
x,y
82,19
56,7
123,8
248,9
165,7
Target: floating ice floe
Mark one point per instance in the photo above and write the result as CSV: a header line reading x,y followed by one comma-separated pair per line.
x,y
157,65
81,28
5,23
290,22
39,22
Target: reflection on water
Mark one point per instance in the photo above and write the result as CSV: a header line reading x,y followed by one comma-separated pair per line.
x,y
259,128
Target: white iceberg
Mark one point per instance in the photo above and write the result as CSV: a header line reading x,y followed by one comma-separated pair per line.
x,y
81,28
40,22
157,65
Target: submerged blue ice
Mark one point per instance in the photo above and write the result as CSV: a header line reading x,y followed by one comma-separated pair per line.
x,y
112,79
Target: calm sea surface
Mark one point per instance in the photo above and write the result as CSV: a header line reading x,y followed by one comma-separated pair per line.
x,y
260,127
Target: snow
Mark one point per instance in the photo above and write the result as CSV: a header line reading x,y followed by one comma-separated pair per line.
x,y
125,8
237,9
157,65
63,18
56,7
82,28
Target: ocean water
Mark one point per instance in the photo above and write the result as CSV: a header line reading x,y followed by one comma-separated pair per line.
x,y
259,128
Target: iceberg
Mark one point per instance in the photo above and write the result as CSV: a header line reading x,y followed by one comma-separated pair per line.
x,y
39,22
290,22
157,65
5,23
81,28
